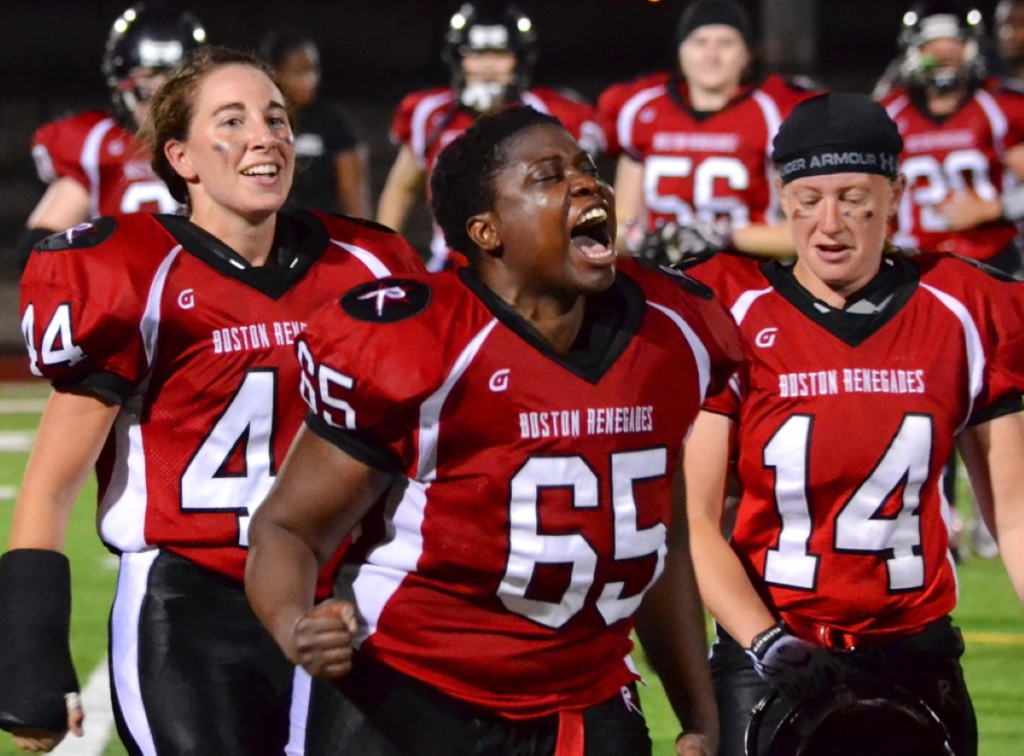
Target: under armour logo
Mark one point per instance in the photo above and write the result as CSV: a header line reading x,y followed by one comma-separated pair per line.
x,y
187,299
766,337
396,293
499,381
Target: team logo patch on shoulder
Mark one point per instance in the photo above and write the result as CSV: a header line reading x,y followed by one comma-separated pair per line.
x,y
388,300
81,236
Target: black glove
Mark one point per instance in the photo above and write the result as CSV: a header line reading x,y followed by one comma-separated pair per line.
x,y
794,667
681,246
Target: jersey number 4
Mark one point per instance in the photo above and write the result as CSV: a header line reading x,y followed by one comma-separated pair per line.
x,y
861,526
244,431
528,547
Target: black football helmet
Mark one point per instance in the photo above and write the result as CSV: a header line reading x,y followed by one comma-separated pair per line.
x,y
856,717
481,27
147,35
937,19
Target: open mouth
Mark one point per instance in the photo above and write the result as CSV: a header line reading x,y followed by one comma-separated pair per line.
x,y
268,171
590,235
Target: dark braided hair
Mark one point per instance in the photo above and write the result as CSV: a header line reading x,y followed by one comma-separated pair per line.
x,y
462,182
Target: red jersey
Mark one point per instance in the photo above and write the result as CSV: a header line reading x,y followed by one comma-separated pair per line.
x,y
533,501
103,156
844,422
963,151
428,120
198,347
700,165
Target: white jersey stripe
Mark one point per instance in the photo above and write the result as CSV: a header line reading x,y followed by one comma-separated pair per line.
x,y
122,512
627,115
90,159
529,98
124,645
420,115
897,105
376,583
298,714
996,120
367,258
150,325
743,303
975,353
700,352
772,120
430,412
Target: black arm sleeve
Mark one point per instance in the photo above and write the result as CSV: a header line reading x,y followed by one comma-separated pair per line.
x,y
35,657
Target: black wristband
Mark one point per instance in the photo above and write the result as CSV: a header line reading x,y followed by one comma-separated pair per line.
x,y
766,638
35,658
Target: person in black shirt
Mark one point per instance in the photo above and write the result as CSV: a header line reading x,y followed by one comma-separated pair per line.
x,y
331,172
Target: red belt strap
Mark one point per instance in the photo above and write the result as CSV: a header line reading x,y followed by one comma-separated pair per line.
x,y
570,733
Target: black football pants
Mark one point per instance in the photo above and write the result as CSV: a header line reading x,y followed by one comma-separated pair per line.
x,y
193,670
378,711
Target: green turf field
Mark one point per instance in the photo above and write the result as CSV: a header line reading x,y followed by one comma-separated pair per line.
x,y
989,613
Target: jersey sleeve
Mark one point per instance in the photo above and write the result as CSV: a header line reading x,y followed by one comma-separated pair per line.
x,y
611,101
401,124
1012,102
356,377
1003,329
578,117
57,150
609,105
81,313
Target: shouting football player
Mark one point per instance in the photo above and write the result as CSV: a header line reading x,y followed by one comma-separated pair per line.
x,y
92,163
694,145
169,341
866,366
490,54
518,410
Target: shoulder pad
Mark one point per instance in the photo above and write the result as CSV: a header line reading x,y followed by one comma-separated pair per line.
x,y
82,236
802,83
571,94
1011,86
691,285
996,273
388,300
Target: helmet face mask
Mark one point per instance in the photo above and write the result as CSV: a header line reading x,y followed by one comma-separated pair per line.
x,y
929,31
145,41
481,39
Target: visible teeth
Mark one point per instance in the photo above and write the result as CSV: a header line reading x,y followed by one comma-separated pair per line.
x,y
261,170
597,215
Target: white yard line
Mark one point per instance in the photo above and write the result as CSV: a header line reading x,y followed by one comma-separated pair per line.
x,y
17,441
99,717
22,406
7,493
